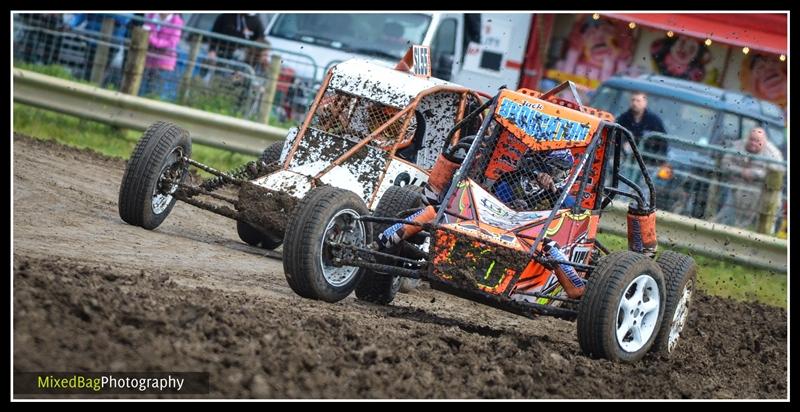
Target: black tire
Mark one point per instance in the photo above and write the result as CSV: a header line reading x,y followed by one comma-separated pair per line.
x,y
156,153
680,274
375,287
272,153
598,313
254,237
247,233
302,250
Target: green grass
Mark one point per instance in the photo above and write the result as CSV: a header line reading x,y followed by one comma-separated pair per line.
x,y
723,278
54,70
108,140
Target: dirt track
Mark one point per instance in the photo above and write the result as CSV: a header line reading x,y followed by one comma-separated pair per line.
x,y
92,293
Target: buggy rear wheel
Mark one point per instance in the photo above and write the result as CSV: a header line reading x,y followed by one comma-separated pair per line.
x,y
249,234
254,237
326,214
379,288
680,275
153,174
621,310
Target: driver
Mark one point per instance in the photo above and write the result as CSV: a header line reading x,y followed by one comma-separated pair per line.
x,y
537,182
551,170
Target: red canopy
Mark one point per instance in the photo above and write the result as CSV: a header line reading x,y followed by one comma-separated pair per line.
x,y
764,32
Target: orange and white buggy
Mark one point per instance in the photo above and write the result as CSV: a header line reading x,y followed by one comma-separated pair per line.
x,y
512,223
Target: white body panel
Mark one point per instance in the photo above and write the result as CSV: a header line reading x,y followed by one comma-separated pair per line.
x,y
383,84
399,173
286,181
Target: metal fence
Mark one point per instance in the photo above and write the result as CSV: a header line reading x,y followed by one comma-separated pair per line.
x,y
251,80
713,183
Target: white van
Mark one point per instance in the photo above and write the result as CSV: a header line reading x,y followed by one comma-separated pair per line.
x,y
478,51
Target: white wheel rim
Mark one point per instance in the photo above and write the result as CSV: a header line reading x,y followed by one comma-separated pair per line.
x,y
161,200
637,313
681,314
342,228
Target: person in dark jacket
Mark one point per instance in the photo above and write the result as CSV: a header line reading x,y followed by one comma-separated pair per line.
x,y
241,25
640,120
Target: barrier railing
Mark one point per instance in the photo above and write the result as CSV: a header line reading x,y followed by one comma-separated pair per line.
x,y
714,183
247,79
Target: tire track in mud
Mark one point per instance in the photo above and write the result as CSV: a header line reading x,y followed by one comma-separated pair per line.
x,y
92,293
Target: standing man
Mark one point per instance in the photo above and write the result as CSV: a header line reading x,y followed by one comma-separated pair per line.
x,y
747,173
639,120
241,25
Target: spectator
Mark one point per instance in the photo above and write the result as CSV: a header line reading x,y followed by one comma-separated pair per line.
x,y
746,173
243,26
640,120
92,24
165,33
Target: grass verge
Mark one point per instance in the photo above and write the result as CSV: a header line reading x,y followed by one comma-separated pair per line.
x,y
723,278
108,140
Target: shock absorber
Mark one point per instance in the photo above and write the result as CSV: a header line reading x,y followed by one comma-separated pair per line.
x,y
642,231
567,276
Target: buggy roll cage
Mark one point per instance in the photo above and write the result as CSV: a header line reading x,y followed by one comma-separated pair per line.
x,y
613,133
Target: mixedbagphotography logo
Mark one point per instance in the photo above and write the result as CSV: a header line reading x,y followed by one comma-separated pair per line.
x,y
129,383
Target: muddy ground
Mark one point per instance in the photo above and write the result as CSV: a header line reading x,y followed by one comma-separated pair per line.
x,y
92,293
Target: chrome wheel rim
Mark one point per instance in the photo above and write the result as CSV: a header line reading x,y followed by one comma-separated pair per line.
x,y
344,228
167,183
637,313
681,314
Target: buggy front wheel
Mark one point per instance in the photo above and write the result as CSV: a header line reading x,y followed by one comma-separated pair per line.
x,y
153,174
326,216
382,288
621,311
680,276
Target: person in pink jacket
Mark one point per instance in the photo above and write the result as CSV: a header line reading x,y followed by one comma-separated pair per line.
x,y
161,55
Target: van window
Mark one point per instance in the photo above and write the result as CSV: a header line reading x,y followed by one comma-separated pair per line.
x,y
445,41
382,35
607,98
730,128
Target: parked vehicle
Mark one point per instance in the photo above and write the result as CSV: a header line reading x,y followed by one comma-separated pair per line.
x,y
699,120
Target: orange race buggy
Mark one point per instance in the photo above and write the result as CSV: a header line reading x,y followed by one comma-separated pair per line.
x,y
513,226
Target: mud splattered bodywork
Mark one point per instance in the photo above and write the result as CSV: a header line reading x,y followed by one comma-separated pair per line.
x,y
369,127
